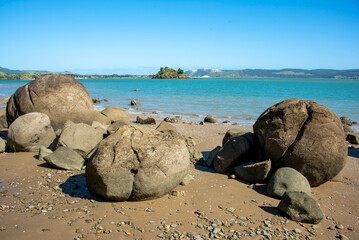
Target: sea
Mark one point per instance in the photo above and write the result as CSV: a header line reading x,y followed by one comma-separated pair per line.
x,y
239,100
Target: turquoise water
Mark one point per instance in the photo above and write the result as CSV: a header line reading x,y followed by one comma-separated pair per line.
x,y
238,100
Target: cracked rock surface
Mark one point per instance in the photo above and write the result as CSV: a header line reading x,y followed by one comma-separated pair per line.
x,y
137,163
60,97
303,135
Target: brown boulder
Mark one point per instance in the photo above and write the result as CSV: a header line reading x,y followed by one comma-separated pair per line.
x,y
303,135
116,114
60,97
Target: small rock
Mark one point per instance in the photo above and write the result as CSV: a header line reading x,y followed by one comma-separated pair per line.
x,y
231,210
134,103
343,237
187,180
210,119
151,121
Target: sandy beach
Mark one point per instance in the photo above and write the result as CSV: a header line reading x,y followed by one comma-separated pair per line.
x,y
39,202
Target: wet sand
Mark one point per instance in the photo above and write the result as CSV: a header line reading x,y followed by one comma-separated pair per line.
x,y
40,202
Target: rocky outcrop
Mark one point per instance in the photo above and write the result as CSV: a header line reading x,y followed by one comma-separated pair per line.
x,y
254,171
65,158
79,137
137,163
60,97
303,135
28,132
301,207
286,180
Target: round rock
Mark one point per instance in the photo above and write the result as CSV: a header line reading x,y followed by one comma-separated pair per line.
x,y
28,132
61,97
303,135
137,163
287,179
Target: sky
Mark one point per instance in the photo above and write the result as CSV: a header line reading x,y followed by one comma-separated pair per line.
x,y
139,37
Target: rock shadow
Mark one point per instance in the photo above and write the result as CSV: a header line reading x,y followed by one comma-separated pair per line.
x,y
271,210
353,152
75,186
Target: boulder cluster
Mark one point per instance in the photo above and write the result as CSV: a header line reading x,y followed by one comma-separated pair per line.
x,y
54,116
296,144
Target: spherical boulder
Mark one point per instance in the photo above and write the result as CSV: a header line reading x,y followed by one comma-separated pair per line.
x,y
303,135
137,163
28,132
61,97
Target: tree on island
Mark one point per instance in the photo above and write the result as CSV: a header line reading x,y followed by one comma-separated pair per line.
x,y
169,73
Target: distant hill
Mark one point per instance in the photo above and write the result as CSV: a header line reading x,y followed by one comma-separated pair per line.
x,y
281,73
201,72
169,73
10,71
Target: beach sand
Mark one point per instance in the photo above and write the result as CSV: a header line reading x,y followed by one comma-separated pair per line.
x,y
40,202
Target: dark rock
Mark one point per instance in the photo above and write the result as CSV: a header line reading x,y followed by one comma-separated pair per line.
x,y
167,127
235,150
65,158
116,114
134,103
304,135
254,171
346,121
145,121
97,100
231,134
79,137
210,119
286,180
60,97
211,156
28,132
300,207
353,138
137,163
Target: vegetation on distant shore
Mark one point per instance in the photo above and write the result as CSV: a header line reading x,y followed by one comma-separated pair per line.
x,y
169,73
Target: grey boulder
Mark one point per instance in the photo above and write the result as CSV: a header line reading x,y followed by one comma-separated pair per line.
x,y
303,135
43,152
254,171
287,179
137,163
79,137
28,132
65,158
301,207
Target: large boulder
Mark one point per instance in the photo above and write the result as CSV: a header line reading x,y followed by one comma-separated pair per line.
x,y
28,132
303,135
231,134
285,180
301,207
137,163
61,97
116,114
79,137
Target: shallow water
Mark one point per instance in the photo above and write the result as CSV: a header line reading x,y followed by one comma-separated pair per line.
x,y
239,100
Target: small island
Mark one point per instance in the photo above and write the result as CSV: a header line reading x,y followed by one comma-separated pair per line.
x,y
169,73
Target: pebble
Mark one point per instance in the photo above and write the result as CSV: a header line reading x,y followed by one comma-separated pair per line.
x,y
230,209
339,226
296,230
343,237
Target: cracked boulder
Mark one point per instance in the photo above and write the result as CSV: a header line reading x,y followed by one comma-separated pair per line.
x,y
60,97
137,163
303,135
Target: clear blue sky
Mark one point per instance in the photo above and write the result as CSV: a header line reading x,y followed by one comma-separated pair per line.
x,y
141,36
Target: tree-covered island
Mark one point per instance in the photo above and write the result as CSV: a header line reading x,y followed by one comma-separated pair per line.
x,y
169,73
